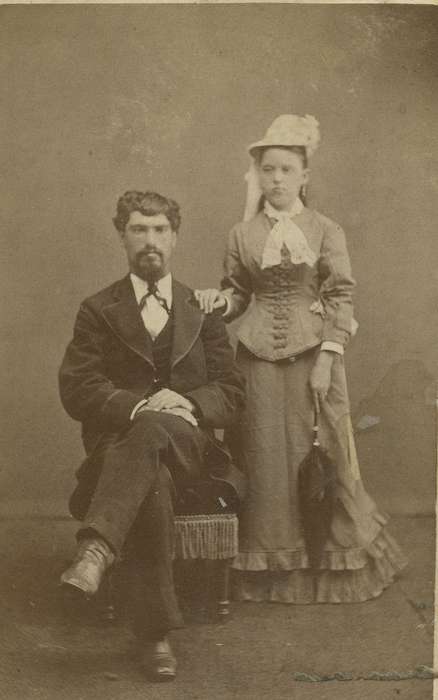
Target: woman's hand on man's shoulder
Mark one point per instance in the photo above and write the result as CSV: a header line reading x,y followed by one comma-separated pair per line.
x,y
210,299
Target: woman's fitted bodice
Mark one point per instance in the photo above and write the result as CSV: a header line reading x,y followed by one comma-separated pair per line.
x,y
295,307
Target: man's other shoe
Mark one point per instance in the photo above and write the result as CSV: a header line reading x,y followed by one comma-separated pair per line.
x,y
159,661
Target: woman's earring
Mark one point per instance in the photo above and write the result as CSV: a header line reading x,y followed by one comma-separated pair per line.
x,y
303,192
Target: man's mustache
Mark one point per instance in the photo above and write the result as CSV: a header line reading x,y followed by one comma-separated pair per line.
x,y
147,251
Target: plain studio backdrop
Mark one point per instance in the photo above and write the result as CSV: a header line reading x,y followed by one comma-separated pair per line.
x,y
101,99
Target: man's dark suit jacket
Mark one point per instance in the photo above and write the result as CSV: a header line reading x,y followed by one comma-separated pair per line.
x,y
108,368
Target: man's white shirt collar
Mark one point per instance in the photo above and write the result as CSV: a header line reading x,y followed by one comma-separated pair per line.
x,y
164,285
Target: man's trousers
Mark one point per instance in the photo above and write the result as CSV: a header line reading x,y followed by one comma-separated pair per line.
x,y
133,499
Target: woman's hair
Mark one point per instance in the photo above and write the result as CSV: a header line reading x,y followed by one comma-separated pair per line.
x,y
299,150
148,204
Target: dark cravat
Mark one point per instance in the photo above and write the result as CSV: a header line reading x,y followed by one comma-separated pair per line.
x,y
153,292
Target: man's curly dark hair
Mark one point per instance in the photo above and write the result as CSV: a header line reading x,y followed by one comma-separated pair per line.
x,y
148,204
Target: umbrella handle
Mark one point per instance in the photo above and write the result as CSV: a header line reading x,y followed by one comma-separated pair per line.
x,y
316,442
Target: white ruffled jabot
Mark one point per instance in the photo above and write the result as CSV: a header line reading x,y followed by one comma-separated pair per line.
x,y
286,232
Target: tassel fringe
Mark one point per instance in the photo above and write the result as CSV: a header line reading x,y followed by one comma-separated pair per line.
x,y
206,536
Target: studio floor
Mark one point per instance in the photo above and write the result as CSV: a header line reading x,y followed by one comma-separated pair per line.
x,y
257,653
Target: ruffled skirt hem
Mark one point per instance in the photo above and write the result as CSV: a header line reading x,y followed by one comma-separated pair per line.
x,y
344,576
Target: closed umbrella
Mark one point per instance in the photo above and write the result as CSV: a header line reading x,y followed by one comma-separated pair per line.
x,y
317,495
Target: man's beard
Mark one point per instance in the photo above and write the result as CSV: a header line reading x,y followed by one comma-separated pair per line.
x,y
147,269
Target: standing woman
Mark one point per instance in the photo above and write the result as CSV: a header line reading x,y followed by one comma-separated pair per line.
x,y
293,262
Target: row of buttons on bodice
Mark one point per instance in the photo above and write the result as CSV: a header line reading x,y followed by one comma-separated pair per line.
x,y
277,294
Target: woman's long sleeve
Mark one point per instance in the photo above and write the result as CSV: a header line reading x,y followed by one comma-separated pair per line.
x,y
337,285
236,283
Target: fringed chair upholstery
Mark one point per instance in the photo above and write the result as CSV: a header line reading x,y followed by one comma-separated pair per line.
x,y
206,536
211,537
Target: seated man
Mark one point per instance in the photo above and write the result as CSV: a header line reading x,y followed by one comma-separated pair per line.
x,y
150,377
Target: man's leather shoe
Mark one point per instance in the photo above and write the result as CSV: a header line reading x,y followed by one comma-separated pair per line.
x,y
159,661
92,559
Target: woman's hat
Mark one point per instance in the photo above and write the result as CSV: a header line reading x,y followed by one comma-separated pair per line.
x,y
290,130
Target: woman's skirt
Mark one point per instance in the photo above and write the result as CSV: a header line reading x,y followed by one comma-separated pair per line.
x,y
360,558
